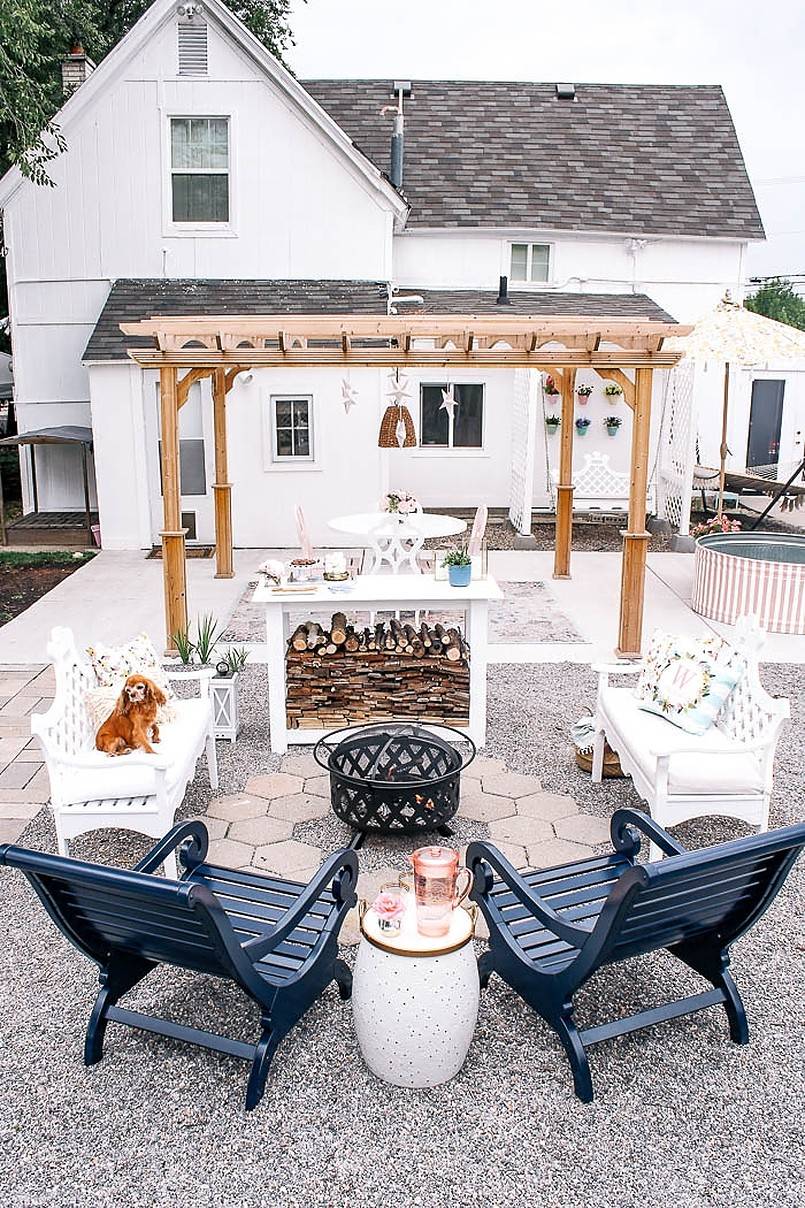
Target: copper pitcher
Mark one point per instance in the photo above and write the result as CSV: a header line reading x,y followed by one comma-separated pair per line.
x,y
436,879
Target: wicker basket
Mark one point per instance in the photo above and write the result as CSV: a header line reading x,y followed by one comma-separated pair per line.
x,y
388,427
612,765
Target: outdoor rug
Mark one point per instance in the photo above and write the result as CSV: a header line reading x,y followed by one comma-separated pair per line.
x,y
527,615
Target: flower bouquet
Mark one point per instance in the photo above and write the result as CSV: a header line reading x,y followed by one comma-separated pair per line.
x,y
400,503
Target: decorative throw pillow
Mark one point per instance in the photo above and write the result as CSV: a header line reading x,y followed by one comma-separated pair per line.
x,y
99,703
113,665
688,680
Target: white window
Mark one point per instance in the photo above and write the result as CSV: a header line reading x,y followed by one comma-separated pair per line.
x,y
192,459
199,169
530,262
291,428
458,427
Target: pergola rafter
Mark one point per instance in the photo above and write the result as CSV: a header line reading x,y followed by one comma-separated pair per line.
x,y
221,346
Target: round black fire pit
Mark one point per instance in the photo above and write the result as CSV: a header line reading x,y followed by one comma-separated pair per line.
x,y
394,778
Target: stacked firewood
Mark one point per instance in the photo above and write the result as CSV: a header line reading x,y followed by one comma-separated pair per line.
x,y
346,675
391,636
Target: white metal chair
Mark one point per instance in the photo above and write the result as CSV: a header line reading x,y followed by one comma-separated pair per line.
x,y
90,790
727,771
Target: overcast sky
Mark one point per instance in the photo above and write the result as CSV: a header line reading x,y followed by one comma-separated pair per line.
x,y
754,50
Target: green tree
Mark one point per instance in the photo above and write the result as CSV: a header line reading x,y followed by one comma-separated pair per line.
x,y
777,299
35,35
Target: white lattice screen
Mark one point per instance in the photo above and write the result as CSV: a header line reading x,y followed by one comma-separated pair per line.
x,y
524,412
676,450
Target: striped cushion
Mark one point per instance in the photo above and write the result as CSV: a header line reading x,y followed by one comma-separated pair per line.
x,y
687,680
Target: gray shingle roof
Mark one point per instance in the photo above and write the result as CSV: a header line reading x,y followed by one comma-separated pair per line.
x,y
637,159
130,300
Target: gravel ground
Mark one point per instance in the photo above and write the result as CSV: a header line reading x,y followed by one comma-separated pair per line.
x,y
681,1115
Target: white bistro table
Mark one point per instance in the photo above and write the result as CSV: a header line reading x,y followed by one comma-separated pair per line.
x,y
375,593
396,538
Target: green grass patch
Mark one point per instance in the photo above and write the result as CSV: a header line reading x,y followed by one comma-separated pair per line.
x,y
45,557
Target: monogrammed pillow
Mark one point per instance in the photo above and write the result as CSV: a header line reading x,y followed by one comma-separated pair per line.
x,y
688,680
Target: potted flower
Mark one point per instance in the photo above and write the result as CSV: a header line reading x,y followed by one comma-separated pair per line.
x,y
612,423
399,503
582,424
459,567
583,393
552,423
613,390
549,385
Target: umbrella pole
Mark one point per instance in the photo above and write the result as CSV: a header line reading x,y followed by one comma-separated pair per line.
x,y
723,451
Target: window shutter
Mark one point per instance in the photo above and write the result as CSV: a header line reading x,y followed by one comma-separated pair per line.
x,y
192,47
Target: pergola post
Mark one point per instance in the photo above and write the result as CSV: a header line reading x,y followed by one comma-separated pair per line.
x,y
635,539
173,535
222,487
564,487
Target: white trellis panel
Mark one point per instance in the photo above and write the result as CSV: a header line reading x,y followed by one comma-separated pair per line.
x,y
599,488
676,451
524,428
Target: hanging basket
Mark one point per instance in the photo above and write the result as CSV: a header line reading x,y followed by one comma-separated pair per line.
x,y
388,428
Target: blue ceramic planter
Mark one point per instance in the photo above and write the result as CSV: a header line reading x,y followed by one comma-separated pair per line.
x,y
459,576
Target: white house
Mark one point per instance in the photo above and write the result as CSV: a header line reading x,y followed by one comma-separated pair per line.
x,y
201,177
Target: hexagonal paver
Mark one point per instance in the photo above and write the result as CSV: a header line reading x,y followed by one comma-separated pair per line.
x,y
233,808
216,827
229,853
300,807
483,766
483,807
274,784
287,858
258,831
556,851
300,764
514,853
510,784
318,785
549,806
520,830
582,828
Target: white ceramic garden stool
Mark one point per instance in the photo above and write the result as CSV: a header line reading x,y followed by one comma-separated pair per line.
x,y
415,1000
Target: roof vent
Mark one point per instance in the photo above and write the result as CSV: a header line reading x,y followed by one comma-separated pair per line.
x,y
401,86
192,40
565,92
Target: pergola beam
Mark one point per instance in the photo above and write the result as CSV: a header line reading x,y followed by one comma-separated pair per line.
x,y
635,539
477,358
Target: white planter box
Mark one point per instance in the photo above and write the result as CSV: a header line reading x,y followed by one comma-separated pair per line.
x,y
225,706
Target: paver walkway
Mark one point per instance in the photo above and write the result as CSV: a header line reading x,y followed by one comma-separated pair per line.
x,y
24,787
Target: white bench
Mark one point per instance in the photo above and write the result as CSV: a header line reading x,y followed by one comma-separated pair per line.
x,y
599,488
727,771
90,790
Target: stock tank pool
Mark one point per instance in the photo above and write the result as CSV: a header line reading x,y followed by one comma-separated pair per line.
x,y
759,574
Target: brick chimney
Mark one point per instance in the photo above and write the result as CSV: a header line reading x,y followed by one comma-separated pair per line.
x,y
75,68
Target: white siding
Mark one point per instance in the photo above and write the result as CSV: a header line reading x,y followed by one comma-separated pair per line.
x,y
687,277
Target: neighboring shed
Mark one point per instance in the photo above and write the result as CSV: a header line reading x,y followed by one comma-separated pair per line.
x,y
43,528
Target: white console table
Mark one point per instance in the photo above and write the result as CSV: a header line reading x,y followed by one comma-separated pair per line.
x,y
376,593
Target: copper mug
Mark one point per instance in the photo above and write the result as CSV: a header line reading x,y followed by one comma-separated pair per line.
x,y
436,879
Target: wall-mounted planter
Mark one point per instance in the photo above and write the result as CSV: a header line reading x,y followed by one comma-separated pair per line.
x,y
583,396
582,427
612,429
612,424
552,426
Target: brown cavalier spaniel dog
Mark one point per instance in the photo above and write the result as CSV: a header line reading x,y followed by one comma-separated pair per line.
x,y
133,723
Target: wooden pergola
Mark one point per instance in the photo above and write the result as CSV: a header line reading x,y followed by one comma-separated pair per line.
x,y
188,349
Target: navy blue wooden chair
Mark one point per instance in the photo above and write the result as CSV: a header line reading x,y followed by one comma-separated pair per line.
x,y
552,929
278,940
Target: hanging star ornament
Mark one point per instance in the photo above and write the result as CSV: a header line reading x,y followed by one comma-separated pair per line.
x,y
398,390
449,402
349,395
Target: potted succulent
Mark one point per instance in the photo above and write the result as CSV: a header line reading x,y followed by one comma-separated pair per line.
x,y
612,423
552,423
613,390
459,567
582,424
549,385
583,392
